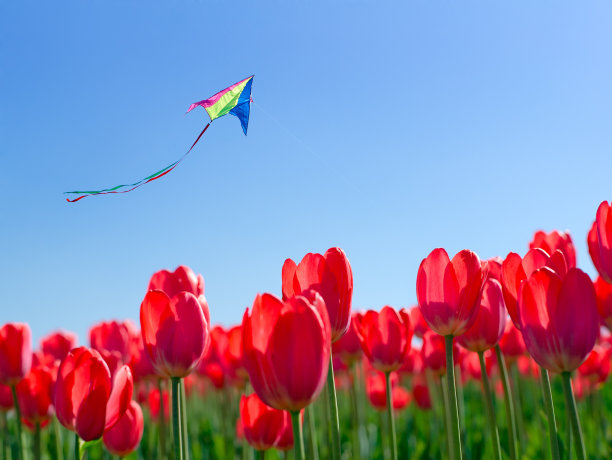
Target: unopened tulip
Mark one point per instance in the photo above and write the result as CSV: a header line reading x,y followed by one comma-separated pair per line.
x,y
112,336
420,391
174,332
262,425
35,395
553,241
286,349
448,290
385,337
348,347
6,398
488,328
181,279
377,392
434,354
84,401
15,352
155,403
58,344
418,322
596,367
511,343
603,291
559,319
331,276
124,437
516,269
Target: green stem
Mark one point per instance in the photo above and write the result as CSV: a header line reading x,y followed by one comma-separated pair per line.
x,y
58,440
392,438
455,439
568,433
447,416
260,454
176,417
184,432
36,445
356,415
162,419
488,397
77,453
4,434
511,421
18,421
314,448
333,410
550,414
298,436
518,407
575,420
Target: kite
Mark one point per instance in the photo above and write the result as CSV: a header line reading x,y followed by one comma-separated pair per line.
x,y
235,100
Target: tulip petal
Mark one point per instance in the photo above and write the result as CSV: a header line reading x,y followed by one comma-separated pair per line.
x,y
120,396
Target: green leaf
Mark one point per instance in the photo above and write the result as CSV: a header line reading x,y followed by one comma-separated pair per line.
x,y
83,446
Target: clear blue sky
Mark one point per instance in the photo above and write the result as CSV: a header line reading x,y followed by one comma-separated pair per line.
x,y
386,128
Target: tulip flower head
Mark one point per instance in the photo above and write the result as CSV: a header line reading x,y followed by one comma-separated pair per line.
x,y
420,392
35,395
448,290
490,322
174,332
376,391
553,241
6,398
58,344
558,318
385,337
262,425
181,279
286,347
511,343
603,291
124,436
112,337
418,322
85,399
348,347
331,276
15,352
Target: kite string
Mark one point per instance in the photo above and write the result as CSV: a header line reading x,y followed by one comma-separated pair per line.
x,y
146,180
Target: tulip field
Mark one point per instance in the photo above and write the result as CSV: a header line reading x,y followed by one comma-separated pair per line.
x,y
505,358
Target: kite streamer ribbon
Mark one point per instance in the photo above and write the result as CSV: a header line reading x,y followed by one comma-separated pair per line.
x,y
135,185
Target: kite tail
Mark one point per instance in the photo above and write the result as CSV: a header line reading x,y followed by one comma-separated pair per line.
x,y
135,185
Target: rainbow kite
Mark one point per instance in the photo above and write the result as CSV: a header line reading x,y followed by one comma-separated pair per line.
x,y
235,100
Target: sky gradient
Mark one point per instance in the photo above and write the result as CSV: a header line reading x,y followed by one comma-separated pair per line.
x,y
385,128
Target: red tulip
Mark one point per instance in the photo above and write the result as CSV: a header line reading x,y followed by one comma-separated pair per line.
x,y
58,344
413,362
15,352
213,363
6,398
154,403
511,343
286,347
348,347
233,356
385,337
433,352
418,322
596,367
174,332
35,395
285,442
376,389
141,366
493,268
262,425
603,291
515,270
421,395
124,437
83,399
448,290
181,279
331,276
593,245
470,367
555,240
112,336
490,321
558,318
